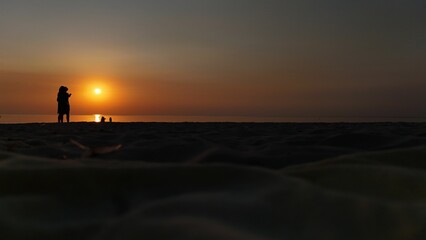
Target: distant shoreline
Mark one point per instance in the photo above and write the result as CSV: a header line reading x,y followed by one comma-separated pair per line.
x,y
34,118
224,122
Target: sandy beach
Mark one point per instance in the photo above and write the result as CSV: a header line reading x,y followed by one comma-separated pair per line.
x,y
213,181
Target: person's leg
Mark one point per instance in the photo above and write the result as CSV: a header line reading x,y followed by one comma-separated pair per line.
x,y
68,117
60,118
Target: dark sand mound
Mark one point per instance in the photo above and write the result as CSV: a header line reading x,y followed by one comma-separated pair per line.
x,y
373,196
212,181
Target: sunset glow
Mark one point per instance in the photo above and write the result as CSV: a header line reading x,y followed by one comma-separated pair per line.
x,y
214,58
96,90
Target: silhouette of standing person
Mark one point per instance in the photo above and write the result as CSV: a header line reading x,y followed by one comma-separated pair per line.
x,y
63,104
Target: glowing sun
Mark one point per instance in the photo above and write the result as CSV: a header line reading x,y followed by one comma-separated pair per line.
x,y
98,91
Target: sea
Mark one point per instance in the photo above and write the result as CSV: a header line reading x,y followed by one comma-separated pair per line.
x,y
34,118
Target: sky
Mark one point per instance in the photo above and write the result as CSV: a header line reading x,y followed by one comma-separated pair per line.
x,y
271,58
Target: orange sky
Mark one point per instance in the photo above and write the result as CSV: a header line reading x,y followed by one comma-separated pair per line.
x,y
36,93
241,58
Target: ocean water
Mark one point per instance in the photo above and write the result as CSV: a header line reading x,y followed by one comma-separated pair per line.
x,y
15,118
31,118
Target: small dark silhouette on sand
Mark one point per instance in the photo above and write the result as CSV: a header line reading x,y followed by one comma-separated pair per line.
x,y
110,119
103,119
63,104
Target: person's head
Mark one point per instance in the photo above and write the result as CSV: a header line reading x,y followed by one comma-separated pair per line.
x,y
63,89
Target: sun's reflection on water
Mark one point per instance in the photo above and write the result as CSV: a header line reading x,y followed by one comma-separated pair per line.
x,y
97,117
